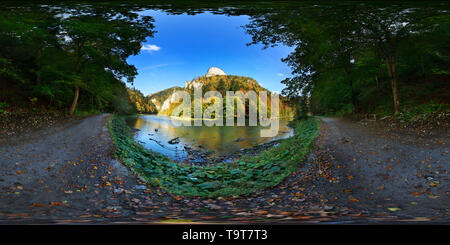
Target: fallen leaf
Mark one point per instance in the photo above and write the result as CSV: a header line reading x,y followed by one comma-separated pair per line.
x,y
394,209
416,193
37,205
353,200
434,184
208,217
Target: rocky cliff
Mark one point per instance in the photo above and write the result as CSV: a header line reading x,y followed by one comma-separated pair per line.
x,y
214,71
214,80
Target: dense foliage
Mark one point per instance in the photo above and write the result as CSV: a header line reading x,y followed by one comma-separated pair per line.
x,y
69,57
362,57
221,84
142,103
159,97
349,57
224,179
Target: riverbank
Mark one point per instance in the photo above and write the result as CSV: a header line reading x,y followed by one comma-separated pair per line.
x,y
207,158
201,145
242,176
347,177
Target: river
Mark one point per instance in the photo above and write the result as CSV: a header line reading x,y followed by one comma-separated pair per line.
x,y
155,132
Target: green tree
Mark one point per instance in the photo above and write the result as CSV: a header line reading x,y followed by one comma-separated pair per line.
x,y
103,38
334,43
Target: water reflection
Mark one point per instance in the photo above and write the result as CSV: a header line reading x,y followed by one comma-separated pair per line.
x,y
155,132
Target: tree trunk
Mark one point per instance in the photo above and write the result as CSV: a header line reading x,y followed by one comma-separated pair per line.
x,y
395,95
390,65
353,94
75,100
77,89
38,65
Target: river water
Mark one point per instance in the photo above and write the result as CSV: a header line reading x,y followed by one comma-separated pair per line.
x,y
155,132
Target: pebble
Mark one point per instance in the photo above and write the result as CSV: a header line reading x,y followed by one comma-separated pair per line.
x,y
214,206
140,187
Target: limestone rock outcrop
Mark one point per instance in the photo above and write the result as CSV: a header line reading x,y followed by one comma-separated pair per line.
x,y
214,71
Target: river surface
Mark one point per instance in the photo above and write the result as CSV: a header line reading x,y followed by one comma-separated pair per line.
x,y
155,132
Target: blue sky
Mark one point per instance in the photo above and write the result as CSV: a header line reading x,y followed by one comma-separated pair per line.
x,y
185,46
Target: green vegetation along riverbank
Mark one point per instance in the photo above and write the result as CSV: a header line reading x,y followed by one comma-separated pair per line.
x,y
241,177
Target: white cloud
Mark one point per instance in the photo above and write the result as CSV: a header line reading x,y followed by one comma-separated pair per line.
x,y
150,67
150,48
156,66
280,74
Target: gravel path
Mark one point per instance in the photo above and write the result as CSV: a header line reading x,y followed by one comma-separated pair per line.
x,y
59,173
386,173
354,174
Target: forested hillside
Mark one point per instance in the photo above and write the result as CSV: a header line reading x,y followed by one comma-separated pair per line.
x,y
364,58
221,83
348,59
142,103
70,59
158,98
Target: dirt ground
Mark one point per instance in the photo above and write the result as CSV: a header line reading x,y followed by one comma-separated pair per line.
x,y
354,174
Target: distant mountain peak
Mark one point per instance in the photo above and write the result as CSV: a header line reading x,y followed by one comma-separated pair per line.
x,y
167,100
215,71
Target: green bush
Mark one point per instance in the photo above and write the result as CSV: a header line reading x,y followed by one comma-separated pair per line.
x,y
423,110
3,106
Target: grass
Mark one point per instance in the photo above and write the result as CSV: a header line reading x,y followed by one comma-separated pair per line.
x,y
241,177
